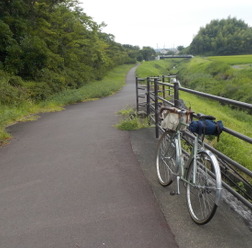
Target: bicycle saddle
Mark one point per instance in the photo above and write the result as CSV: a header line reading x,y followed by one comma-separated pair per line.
x,y
205,117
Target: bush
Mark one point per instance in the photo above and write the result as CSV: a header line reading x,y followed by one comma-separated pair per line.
x,y
38,91
11,91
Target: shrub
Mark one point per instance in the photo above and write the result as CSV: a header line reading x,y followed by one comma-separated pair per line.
x,y
11,91
38,91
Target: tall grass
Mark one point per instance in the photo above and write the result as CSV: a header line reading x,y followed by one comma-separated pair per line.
x,y
96,89
131,121
27,110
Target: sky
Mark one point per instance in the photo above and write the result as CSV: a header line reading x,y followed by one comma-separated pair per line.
x,y
162,23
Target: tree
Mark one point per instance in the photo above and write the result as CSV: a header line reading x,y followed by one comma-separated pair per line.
x,y
223,37
148,53
54,44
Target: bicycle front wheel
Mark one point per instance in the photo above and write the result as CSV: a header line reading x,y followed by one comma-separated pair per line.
x,y
166,164
204,193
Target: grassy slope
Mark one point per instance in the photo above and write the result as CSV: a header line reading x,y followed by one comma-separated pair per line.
x,y
28,110
233,60
236,120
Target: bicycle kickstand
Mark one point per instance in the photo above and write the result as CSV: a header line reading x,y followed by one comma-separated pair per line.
x,y
178,189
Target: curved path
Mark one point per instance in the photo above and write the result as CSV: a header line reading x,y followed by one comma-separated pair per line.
x,y
71,180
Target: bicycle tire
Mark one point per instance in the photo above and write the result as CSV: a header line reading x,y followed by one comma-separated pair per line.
x,y
203,196
166,158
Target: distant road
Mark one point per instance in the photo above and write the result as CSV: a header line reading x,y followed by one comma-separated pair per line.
x,y
71,180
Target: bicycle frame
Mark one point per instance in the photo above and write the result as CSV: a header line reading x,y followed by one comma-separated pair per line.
x,y
192,158
180,160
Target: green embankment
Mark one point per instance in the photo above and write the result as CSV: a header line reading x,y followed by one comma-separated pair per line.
x,y
26,110
233,60
205,75
217,77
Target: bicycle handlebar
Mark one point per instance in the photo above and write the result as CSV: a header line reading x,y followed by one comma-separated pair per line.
x,y
175,110
185,111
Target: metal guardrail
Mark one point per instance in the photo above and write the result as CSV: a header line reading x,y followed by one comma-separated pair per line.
x,y
165,89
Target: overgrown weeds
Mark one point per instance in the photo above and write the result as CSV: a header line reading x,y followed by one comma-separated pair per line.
x,y
15,111
131,121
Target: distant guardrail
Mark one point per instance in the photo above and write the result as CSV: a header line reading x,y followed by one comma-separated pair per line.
x,y
151,92
183,56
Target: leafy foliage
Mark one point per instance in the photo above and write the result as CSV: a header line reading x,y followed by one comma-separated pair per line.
x,y
54,45
223,37
23,110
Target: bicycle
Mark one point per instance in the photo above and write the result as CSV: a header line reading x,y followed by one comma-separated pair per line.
x,y
200,174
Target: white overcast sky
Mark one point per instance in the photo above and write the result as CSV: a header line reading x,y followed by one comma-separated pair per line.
x,y
162,23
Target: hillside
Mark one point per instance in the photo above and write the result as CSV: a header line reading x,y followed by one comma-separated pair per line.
x,y
217,76
208,75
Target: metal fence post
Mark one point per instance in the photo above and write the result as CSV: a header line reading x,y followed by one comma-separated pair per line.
x,y
148,96
169,87
163,86
156,107
137,100
176,94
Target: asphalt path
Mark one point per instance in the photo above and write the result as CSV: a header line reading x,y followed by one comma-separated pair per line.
x,y
72,180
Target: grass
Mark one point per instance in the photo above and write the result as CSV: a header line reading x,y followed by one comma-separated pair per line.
x,y
155,68
205,74
217,77
28,110
239,121
233,60
131,121
93,90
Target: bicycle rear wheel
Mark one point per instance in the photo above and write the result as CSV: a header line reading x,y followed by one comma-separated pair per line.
x,y
203,196
166,158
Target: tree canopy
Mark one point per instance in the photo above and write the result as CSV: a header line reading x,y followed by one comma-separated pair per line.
x,y
223,37
54,44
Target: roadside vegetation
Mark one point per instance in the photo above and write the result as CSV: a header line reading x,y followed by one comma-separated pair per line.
x,y
28,110
205,75
131,121
52,54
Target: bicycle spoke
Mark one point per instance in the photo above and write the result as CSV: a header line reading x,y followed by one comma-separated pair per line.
x,y
166,159
201,195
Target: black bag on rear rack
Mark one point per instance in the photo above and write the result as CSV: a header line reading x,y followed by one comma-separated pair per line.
x,y
206,127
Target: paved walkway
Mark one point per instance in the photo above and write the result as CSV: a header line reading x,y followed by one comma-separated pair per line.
x,y
71,180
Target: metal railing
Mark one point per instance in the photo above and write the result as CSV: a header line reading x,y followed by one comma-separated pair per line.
x,y
155,91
